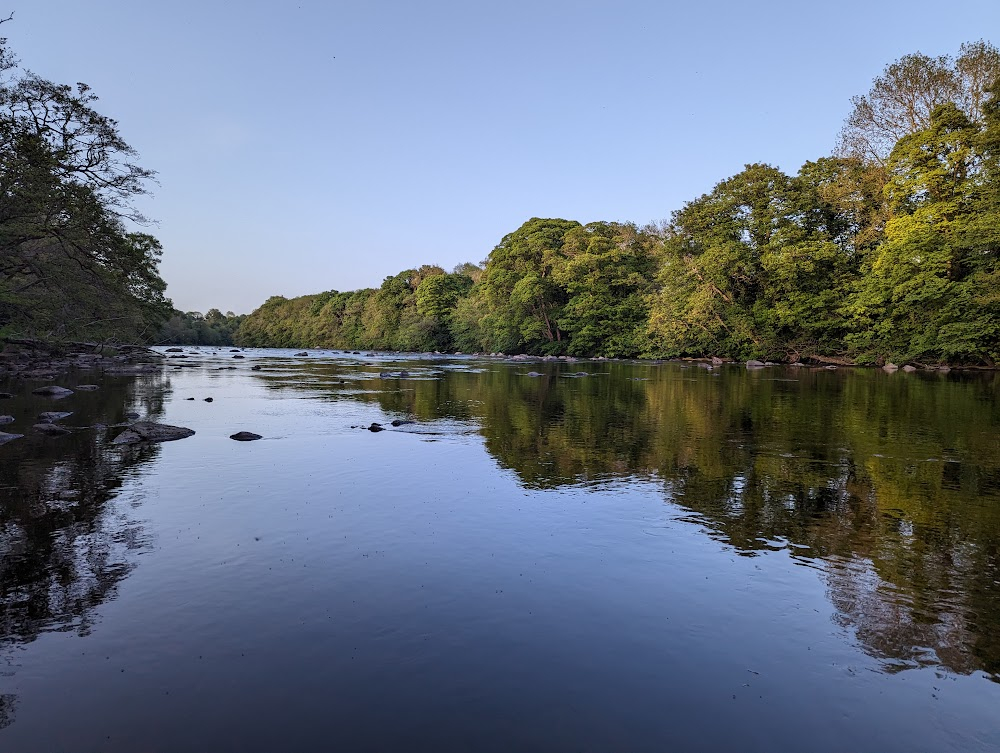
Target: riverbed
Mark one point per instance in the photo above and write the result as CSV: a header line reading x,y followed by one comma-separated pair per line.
x,y
603,556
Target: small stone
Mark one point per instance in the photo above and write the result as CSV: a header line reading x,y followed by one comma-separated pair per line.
x,y
245,436
53,430
50,417
52,390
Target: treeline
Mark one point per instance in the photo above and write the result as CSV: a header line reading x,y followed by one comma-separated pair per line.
x,y
887,250
195,328
70,266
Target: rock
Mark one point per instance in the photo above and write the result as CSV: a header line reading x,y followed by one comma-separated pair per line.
x,y
404,374
582,373
189,398
890,367
239,356
235,350
177,356
376,427
209,399
302,353
87,387
796,363
755,364
533,374
946,368
52,390
174,350
5,437
6,420
6,396
245,436
716,361
53,430
50,417
131,415
402,421
909,369
255,368
830,367
147,431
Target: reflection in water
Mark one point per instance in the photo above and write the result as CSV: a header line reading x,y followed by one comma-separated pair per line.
x,y
64,545
888,486
890,482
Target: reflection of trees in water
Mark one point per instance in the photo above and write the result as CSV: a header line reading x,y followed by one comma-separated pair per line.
x,y
65,545
890,480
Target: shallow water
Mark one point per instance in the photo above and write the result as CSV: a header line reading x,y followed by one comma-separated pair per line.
x,y
645,558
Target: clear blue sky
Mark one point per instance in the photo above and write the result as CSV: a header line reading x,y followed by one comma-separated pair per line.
x,y
303,146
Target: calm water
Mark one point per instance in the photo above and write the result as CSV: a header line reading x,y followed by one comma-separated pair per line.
x,y
648,558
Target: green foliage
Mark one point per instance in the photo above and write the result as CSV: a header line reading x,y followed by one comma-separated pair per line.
x,y
886,252
193,328
69,267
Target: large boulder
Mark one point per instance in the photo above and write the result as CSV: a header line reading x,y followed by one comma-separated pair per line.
x,y
147,431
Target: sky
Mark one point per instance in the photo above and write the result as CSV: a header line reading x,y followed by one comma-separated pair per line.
x,y
312,145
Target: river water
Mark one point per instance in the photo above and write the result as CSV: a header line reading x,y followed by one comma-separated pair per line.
x,y
648,557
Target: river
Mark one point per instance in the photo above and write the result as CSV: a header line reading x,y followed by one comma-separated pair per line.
x,y
638,557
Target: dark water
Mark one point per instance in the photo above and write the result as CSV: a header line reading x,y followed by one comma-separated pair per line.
x,y
648,558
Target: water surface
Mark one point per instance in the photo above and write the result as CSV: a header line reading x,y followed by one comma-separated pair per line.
x,y
645,558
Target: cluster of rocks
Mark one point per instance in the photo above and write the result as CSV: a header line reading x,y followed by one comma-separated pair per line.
x,y
33,359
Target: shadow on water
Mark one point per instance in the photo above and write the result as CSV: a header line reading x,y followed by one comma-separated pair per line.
x,y
887,483
65,541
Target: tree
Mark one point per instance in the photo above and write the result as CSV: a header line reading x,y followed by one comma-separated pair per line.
x,y
69,264
902,99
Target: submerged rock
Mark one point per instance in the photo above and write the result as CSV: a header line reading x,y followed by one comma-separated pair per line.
x,y
50,417
5,437
52,390
245,436
52,430
302,353
147,431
